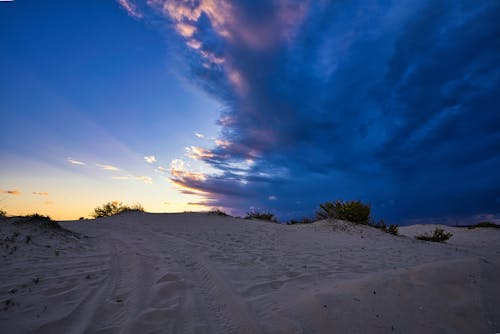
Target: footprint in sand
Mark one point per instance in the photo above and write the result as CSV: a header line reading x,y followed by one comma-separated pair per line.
x,y
169,278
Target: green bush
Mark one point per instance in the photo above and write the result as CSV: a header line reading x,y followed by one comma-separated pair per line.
x,y
261,216
352,211
114,208
439,235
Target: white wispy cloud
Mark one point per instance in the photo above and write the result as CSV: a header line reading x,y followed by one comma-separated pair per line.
x,y
145,179
121,177
150,159
75,162
108,167
161,169
131,8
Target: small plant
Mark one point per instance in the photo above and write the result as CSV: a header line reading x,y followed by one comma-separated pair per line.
x,y
134,207
484,225
3,213
37,216
261,216
439,235
218,212
114,208
304,220
393,229
40,220
381,225
352,211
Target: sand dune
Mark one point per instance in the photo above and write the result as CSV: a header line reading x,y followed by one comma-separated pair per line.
x,y
199,273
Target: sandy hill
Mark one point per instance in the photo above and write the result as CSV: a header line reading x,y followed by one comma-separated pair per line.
x,y
200,273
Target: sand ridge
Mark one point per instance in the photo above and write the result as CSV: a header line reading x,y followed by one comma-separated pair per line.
x,y
201,273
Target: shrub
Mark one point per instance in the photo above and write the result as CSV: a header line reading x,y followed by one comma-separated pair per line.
x,y
218,212
352,211
261,216
484,224
391,229
114,208
3,213
439,235
40,220
304,220
134,207
37,216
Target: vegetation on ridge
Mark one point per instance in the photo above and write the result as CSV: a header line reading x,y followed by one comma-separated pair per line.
x,y
39,220
114,208
255,214
352,211
439,235
484,224
218,212
355,212
304,220
391,229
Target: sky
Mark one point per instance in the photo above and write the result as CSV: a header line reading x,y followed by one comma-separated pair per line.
x,y
251,105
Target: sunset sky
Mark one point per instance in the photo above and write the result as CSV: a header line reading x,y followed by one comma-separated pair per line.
x,y
274,105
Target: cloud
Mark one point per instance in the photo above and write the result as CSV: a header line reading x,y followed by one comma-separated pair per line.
x,y
11,192
199,135
40,193
121,177
381,101
108,167
131,8
185,30
75,162
198,153
161,169
150,159
187,181
145,179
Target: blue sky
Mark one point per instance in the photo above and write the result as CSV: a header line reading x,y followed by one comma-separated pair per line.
x,y
275,105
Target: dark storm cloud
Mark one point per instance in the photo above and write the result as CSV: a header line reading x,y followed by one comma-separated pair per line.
x,y
395,103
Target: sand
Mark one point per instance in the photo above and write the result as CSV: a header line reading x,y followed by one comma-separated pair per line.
x,y
200,273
